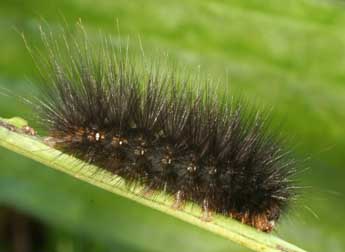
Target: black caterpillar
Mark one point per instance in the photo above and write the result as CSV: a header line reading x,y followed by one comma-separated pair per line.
x,y
153,128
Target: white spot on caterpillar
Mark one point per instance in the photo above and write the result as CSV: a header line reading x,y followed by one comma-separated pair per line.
x,y
97,136
272,223
212,171
191,168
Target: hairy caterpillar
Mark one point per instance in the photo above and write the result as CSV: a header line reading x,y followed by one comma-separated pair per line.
x,y
157,129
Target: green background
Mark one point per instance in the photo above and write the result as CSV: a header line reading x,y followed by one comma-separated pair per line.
x,y
286,54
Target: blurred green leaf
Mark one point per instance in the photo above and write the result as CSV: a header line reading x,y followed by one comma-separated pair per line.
x,y
286,54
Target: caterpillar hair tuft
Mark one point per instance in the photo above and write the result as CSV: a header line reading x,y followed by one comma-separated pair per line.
x,y
155,128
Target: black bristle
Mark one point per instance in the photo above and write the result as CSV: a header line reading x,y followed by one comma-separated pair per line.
x,y
153,128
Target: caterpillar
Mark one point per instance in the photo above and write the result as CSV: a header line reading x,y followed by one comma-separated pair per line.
x,y
169,133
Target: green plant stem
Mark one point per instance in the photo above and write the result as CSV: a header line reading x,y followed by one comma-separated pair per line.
x,y
34,148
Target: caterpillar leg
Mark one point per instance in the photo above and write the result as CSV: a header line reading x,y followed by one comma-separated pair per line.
x,y
50,141
28,130
261,222
242,217
146,192
258,221
178,203
206,214
245,218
